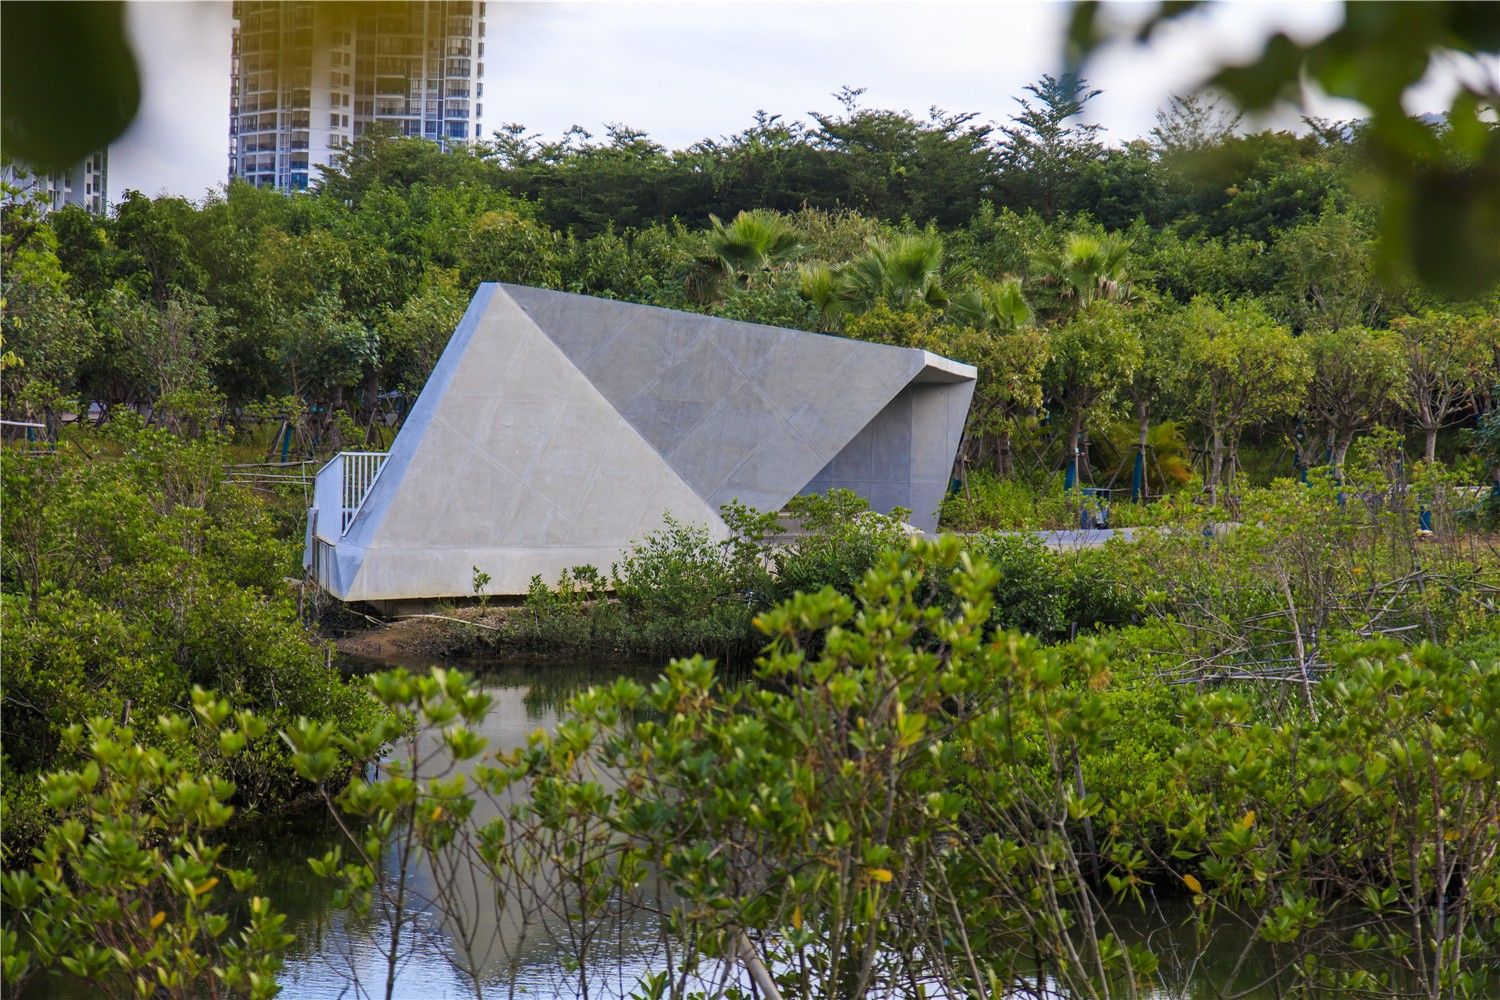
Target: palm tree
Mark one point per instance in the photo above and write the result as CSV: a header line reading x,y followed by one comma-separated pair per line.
x,y
995,306
1124,447
753,243
1086,268
820,285
902,272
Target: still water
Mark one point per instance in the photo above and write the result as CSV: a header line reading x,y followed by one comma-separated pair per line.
x,y
338,955
333,951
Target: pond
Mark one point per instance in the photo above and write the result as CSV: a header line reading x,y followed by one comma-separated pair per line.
x,y
338,955
334,949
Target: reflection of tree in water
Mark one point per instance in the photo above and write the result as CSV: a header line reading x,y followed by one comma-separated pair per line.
x,y
276,848
334,946
548,683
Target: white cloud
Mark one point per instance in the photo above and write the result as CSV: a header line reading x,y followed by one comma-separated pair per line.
x,y
686,71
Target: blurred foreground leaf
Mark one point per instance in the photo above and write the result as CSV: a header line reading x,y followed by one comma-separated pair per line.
x,y
1438,183
68,81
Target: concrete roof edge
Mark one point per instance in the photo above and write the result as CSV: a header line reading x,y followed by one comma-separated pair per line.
x,y
937,365
929,361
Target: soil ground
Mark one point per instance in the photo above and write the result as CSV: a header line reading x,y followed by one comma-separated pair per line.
x,y
435,636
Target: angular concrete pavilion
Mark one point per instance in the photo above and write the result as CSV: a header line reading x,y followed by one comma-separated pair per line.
x,y
557,428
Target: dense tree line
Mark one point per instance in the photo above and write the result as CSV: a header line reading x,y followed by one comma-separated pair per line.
x,y
1215,281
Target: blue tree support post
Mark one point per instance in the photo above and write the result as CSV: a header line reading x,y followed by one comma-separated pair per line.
x,y
1138,476
1300,460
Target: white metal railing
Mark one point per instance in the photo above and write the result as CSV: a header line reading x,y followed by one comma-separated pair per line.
x,y
360,470
342,486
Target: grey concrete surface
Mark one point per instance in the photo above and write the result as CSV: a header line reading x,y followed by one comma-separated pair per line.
x,y
557,428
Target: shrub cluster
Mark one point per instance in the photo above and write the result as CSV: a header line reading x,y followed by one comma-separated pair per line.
x,y
680,591
133,572
903,797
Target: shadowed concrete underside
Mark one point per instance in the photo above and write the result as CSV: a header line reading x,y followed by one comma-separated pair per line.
x,y
556,428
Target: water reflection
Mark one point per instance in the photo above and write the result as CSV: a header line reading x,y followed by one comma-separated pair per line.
x,y
337,954
334,950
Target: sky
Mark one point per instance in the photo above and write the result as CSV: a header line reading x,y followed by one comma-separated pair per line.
x,y
686,71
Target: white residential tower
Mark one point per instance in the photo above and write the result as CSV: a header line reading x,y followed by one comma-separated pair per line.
x,y
86,184
308,78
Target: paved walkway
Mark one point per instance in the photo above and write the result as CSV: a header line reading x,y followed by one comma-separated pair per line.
x,y
1073,539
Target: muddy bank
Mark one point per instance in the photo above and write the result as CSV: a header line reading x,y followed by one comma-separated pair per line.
x,y
437,637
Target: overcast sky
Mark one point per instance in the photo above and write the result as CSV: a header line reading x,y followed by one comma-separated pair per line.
x,y
685,71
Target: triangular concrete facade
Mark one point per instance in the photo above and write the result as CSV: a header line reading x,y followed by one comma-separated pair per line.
x,y
711,394
556,428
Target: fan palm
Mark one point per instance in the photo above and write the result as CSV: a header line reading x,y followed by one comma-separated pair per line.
x,y
902,272
1168,463
820,285
1086,268
996,306
752,243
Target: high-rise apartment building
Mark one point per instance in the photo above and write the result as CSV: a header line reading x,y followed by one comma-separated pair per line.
x,y
309,77
86,184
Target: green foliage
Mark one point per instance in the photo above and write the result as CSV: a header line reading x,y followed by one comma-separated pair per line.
x,y
753,243
343,298
1437,184
1047,146
1085,267
676,590
127,893
835,539
1486,439
998,306
679,590
412,336
133,572
1238,368
905,795
55,117
1328,281
679,582
1032,593
1447,362
1379,801
1093,358
1358,376
881,324
900,746
162,350
1167,456
505,246
1007,504
1008,388
903,272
